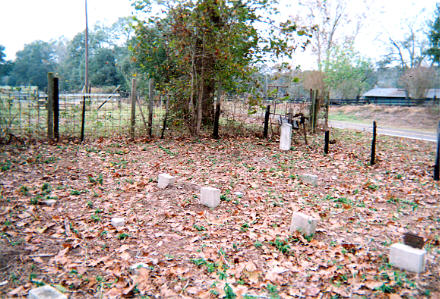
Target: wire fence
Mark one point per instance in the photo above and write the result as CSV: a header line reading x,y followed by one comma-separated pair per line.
x,y
24,114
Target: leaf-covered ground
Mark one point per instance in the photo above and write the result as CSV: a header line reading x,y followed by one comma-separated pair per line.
x,y
241,248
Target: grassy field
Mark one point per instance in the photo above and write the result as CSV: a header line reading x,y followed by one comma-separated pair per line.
x,y
243,247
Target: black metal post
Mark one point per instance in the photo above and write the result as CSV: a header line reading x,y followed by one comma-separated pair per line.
x,y
83,116
266,121
373,145
165,118
56,109
437,159
327,140
215,134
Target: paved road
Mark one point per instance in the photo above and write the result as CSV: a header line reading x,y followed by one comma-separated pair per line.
x,y
385,131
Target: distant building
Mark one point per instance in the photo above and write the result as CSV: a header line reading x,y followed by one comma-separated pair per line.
x,y
396,93
385,93
397,96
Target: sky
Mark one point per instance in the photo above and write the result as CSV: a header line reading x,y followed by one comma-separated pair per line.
x,y
24,21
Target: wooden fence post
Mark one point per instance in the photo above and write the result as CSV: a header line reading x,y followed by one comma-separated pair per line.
x,y
56,109
437,159
373,145
150,107
133,107
50,101
266,122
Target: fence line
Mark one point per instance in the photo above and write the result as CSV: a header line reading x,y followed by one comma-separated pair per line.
x,y
24,113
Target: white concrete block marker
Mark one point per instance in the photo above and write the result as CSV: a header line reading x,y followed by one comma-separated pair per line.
x,y
118,222
286,136
210,197
45,292
303,223
407,258
165,180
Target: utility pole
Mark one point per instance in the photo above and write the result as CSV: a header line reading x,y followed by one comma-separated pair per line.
x,y
87,51
86,83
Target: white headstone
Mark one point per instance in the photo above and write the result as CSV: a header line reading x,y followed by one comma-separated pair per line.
x,y
303,223
286,136
45,292
408,258
210,197
165,180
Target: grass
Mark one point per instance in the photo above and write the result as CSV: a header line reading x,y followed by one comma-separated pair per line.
x,y
340,116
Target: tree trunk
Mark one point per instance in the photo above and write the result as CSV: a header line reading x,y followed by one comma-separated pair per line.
x,y
199,105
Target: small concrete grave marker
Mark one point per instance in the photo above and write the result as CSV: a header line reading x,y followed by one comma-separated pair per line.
x,y
45,292
310,179
165,180
407,258
303,223
413,240
286,136
210,197
118,221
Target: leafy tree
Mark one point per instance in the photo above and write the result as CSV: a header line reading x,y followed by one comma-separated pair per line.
x,y
32,64
198,46
348,75
434,37
103,70
107,54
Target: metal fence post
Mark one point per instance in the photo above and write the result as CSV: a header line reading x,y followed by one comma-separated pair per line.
x,y
56,109
50,103
373,145
437,159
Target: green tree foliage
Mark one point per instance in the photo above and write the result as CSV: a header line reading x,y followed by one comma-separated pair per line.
x,y
32,64
348,75
434,37
108,55
198,46
5,66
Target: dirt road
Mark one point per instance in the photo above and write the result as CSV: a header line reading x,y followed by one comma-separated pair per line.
x,y
385,131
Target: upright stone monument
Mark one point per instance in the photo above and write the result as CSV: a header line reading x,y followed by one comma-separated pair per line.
x,y
286,136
